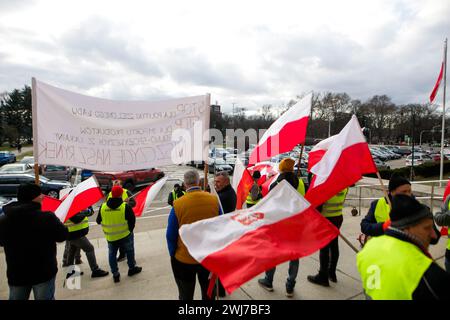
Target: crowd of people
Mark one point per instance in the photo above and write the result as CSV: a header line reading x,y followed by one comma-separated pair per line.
x,y
394,262
29,237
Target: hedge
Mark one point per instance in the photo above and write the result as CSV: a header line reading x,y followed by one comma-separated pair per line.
x,y
425,170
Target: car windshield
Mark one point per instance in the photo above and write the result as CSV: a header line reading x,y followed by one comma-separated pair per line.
x,y
27,160
55,168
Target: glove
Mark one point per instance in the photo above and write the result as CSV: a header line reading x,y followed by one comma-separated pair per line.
x,y
386,224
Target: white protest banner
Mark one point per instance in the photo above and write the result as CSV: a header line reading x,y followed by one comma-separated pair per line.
x,y
80,131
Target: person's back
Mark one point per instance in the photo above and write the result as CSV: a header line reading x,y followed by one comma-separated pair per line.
x,y
192,207
29,237
195,205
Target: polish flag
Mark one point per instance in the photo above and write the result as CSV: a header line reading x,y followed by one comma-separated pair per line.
x,y
344,163
242,182
265,187
266,169
438,83
240,245
318,151
84,195
50,204
285,133
146,196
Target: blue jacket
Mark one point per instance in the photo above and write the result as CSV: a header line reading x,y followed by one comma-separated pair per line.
x,y
172,231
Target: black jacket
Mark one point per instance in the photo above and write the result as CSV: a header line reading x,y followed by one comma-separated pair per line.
x,y
29,237
435,281
114,203
370,226
170,200
228,199
290,177
77,219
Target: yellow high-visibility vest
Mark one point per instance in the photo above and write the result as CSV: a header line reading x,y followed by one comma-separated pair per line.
x,y
390,268
382,210
333,207
83,224
114,224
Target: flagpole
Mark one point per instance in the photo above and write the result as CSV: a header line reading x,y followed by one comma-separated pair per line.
x,y
300,161
441,174
35,135
348,242
213,191
384,189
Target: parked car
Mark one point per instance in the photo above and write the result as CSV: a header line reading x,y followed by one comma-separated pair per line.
x,y
85,174
56,172
404,150
130,179
380,164
16,168
419,158
9,183
7,157
220,165
28,160
437,157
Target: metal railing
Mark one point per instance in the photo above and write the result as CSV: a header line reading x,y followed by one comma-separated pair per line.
x,y
432,197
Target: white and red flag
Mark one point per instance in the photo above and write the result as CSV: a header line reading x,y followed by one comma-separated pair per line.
x,y
343,164
285,133
318,151
50,204
242,182
437,84
240,245
147,195
266,169
84,195
265,187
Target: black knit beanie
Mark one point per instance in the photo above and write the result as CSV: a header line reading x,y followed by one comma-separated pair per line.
x,y
256,174
397,181
28,192
407,211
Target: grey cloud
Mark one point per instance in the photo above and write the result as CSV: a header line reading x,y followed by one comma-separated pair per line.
x,y
16,75
99,41
187,65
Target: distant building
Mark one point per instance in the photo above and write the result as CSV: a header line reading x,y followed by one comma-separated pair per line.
x,y
215,108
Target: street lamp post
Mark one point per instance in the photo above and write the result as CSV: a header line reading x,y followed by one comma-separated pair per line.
x,y
329,127
420,139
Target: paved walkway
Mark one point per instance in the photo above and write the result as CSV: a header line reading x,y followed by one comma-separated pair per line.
x,y
156,280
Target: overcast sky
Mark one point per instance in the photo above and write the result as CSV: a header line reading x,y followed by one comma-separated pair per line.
x,y
245,52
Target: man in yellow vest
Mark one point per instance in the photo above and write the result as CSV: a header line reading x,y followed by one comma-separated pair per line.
x,y
286,169
397,265
442,218
128,198
118,221
329,255
195,205
78,227
255,191
176,193
372,223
